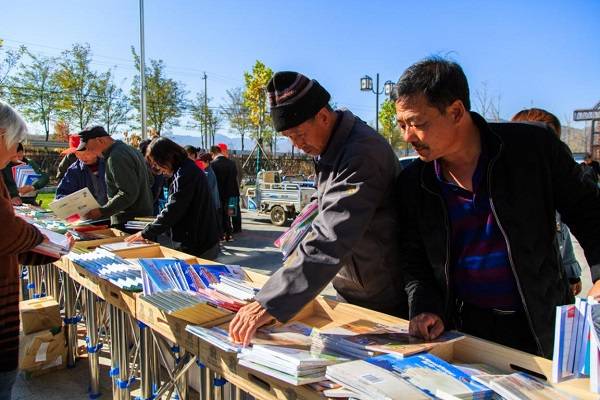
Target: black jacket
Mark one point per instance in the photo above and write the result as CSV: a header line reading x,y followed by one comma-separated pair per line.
x,y
226,173
189,212
351,241
530,176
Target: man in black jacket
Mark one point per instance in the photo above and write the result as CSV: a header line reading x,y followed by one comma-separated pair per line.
x,y
226,173
477,244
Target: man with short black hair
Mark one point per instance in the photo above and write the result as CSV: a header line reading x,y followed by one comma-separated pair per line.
x,y
351,240
128,180
477,246
226,173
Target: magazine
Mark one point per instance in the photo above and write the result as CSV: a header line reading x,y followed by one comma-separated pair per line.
x,y
75,206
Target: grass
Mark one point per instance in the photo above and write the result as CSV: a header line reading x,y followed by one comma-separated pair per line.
x,y
45,198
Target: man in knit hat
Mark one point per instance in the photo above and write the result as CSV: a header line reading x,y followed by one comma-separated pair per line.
x,y
351,241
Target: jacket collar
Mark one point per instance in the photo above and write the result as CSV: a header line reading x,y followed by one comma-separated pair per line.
x,y
338,137
490,140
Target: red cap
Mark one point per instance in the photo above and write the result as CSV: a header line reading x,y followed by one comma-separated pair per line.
x,y
74,141
223,147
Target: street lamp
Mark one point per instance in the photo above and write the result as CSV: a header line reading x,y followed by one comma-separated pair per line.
x,y
366,85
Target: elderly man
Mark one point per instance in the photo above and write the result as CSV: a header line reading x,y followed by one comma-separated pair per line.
x,y
477,246
86,172
128,180
351,240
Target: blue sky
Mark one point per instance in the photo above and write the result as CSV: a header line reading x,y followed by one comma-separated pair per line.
x,y
530,53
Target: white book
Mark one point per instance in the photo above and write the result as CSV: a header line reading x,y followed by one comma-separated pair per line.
x,y
293,356
292,380
281,365
580,355
594,322
563,335
74,206
373,382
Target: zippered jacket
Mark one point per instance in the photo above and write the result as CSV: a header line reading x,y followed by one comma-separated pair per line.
x,y
530,176
351,240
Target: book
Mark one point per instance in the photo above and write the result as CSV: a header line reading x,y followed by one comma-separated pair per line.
x,y
291,379
563,337
75,206
299,228
593,318
372,382
361,340
292,365
108,266
127,245
56,246
216,336
429,373
520,386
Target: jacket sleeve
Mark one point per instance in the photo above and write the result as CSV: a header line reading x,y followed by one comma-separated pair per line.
x,y
122,169
42,181
578,202
178,205
346,209
68,184
572,267
23,236
421,287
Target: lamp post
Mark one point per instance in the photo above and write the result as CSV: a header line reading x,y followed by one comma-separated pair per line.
x,y
366,85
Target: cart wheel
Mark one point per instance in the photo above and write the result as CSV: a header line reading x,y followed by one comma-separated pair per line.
x,y
278,216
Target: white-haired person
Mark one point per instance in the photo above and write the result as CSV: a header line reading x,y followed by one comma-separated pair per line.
x,y
19,237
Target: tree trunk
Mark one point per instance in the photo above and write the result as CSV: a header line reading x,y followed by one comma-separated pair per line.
x,y
242,143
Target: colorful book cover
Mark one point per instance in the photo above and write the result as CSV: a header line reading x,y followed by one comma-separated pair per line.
x,y
429,373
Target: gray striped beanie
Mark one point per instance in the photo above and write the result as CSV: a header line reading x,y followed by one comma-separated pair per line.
x,y
294,99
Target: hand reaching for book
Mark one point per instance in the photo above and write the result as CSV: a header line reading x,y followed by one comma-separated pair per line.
x,y
94,214
26,189
16,201
136,237
247,320
427,326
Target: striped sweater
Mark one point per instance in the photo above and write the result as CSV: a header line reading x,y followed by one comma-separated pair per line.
x,y
17,237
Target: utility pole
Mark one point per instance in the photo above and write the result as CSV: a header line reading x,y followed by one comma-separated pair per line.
x,y
142,72
206,133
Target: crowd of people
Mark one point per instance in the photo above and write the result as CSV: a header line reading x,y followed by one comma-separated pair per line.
x,y
473,235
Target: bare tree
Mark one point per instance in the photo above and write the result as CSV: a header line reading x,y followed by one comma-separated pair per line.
x,y
487,104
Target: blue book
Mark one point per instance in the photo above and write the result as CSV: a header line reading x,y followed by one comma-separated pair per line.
x,y
431,374
211,274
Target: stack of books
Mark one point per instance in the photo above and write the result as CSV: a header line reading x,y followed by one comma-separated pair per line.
x,y
577,342
216,336
422,376
291,365
172,300
137,225
291,238
24,175
236,288
363,339
106,265
520,386
173,274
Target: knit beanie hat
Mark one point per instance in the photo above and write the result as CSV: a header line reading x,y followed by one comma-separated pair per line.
x,y
294,99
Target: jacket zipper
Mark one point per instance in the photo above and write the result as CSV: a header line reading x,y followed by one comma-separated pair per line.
x,y
447,261
510,258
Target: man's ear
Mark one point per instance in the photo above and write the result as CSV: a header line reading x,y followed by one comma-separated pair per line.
x,y
457,111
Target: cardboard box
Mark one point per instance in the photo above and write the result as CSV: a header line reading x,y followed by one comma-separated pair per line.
x,y
39,314
42,351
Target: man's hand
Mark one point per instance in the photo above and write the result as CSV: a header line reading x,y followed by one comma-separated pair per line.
x,y
595,291
575,288
16,201
94,214
247,320
26,189
427,326
136,237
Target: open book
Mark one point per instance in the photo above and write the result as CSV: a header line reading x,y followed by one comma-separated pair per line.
x,y
75,206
